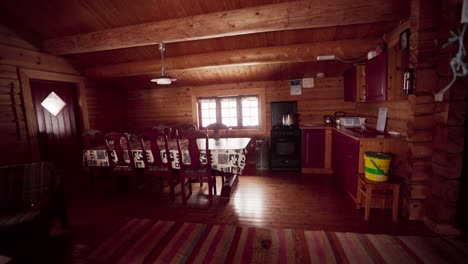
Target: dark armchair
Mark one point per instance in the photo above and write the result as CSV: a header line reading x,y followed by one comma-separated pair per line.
x,y
31,195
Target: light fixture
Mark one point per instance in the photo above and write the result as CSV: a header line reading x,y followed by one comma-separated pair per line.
x,y
163,79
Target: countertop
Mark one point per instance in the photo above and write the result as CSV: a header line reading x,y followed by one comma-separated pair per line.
x,y
356,133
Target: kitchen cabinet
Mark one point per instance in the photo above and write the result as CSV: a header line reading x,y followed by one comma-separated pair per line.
x,y
313,148
316,150
345,161
376,78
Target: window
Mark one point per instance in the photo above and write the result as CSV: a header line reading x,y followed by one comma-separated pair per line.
x,y
233,111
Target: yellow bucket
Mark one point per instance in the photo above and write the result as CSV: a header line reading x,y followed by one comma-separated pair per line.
x,y
377,166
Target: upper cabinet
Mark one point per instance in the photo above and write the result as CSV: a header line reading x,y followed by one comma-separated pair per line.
x,y
376,78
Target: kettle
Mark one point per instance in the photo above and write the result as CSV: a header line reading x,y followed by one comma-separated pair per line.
x,y
289,120
328,119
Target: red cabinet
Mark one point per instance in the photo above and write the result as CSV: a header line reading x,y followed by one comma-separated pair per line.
x,y
345,161
313,148
376,78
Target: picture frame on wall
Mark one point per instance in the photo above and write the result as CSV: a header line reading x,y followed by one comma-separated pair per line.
x,y
404,39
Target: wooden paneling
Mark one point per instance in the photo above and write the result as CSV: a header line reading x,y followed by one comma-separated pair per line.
x,y
266,39
241,57
106,107
264,18
148,107
397,115
16,55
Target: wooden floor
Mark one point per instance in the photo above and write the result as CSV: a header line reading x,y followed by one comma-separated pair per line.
x,y
262,199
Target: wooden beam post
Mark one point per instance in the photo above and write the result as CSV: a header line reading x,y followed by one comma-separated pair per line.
x,y
346,49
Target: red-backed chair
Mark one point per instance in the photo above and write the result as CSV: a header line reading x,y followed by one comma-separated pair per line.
x,y
185,128
92,138
160,166
166,130
119,143
199,167
216,128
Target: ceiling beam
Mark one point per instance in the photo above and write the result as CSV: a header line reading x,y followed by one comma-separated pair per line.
x,y
266,18
344,49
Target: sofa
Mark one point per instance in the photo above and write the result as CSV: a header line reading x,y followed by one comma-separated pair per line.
x,y
31,196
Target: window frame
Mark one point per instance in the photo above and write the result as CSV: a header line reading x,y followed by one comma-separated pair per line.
x,y
238,108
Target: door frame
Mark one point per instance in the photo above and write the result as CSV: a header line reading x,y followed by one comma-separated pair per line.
x,y
30,114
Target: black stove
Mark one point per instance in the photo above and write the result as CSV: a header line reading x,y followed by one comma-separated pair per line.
x,y
285,148
285,140
285,131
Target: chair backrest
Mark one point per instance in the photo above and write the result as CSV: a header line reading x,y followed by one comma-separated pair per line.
x,y
92,138
216,127
116,141
167,130
153,136
185,128
194,151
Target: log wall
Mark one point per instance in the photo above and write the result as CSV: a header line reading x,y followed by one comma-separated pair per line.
x,y
173,106
16,54
443,204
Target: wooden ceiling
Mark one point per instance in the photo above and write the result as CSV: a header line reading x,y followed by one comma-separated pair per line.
x,y
208,41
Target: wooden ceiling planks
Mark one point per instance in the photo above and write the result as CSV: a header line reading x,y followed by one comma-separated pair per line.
x,y
265,18
231,43
57,18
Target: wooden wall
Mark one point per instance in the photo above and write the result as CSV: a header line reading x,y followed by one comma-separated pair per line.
x,y
148,107
106,107
324,99
16,54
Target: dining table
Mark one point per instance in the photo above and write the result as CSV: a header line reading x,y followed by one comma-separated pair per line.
x,y
228,156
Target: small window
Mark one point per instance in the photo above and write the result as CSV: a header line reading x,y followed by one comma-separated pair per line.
x,y
233,111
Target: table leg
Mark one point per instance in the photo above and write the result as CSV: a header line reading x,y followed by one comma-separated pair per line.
x,y
229,185
396,196
359,195
368,202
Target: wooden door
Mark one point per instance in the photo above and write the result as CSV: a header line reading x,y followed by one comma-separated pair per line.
x,y
58,136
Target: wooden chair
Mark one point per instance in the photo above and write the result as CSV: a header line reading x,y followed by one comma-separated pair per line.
x,y
92,138
185,128
159,167
196,170
216,128
115,143
167,130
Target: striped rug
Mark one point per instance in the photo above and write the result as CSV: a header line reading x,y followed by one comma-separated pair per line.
x,y
150,241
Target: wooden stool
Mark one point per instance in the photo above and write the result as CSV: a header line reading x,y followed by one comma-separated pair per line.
x,y
365,188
